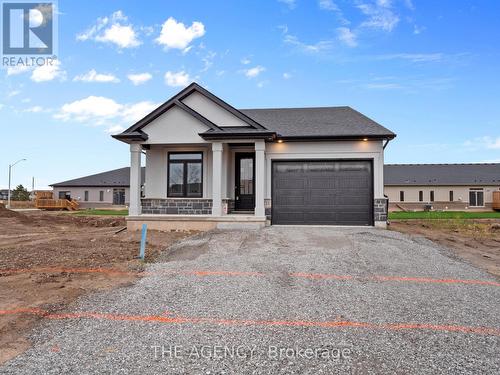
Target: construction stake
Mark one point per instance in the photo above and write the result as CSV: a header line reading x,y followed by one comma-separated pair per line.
x,y
143,241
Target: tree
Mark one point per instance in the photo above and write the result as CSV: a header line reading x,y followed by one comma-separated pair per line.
x,y
20,194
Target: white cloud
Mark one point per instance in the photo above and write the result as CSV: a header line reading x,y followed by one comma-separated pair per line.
x,y
122,36
177,79
487,141
208,60
380,15
346,36
48,72
99,110
289,3
34,109
93,76
176,35
115,129
328,5
139,78
287,75
320,46
114,29
245,61
418,29
254,72
17,69
413,57
92,107
134,112
13,93
383,86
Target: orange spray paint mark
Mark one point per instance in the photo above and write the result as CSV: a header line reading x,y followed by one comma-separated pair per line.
x,y
256,322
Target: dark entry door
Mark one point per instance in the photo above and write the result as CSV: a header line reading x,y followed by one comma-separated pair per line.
x,y
245,181
119,197
322,192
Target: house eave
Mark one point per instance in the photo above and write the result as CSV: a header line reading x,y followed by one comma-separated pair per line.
x,y
311,138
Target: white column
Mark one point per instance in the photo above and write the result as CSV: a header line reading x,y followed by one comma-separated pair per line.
x,y
135,180
260,173
217,179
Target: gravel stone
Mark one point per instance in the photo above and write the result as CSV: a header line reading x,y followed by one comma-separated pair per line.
x,y
89,346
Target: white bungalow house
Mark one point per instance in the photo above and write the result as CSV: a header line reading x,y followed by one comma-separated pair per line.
x,y
209,165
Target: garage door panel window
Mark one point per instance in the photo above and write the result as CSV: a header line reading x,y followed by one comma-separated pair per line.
x,y
185,175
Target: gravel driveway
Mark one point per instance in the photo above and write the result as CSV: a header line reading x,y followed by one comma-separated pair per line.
x,y
283,300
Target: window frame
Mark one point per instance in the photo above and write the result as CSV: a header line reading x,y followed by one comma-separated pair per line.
x,y
86,196
101,195
451,197
431,196
401,196
420,195
184,163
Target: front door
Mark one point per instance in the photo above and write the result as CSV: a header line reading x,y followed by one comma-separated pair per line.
x,y
245,181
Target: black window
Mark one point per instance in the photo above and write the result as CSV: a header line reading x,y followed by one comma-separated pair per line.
x,y
101,196
185,174
86,195
65,195
401,196
476,198
420,196
432,196
451,195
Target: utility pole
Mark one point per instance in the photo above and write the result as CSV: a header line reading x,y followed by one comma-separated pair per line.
x,y
10,175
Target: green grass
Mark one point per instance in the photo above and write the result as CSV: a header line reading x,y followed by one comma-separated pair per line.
x,y
92,212
401,215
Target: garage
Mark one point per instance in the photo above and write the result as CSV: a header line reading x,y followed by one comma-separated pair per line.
x,y
326,192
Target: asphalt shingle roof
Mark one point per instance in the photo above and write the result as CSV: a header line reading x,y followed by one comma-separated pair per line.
x,y
115,178
442,174
319,122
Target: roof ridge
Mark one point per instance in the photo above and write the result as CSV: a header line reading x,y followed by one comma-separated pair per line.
x,y
301,108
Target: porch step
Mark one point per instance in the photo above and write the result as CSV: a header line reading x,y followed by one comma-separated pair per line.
x,y
239,212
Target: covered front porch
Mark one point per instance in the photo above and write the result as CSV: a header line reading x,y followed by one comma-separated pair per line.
x,y
217,184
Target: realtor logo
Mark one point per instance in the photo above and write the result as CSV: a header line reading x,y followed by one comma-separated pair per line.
x,y
27,28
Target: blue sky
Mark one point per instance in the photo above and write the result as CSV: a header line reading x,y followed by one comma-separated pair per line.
x,y
428,70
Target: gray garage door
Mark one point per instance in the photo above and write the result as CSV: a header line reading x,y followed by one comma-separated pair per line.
x,y
322,192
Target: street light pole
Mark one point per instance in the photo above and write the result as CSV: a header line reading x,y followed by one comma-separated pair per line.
x,y
10,173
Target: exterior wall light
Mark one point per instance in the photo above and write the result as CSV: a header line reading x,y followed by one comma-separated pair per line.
x,y
280,141
365,139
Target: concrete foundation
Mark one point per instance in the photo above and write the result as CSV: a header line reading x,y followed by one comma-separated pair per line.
x,y
194,222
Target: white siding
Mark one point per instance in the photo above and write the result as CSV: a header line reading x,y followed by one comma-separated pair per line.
x,y
212,111
175,126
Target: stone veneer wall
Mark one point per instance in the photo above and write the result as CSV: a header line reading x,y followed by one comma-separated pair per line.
x,y
177,206
380,209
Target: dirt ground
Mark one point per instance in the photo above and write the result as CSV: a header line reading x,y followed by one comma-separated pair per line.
x,y
49,259
476,241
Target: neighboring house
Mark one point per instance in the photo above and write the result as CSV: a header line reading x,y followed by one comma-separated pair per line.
x,y
107,189
444,186
4,194
210,165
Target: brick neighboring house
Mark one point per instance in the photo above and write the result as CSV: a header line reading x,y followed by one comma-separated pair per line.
x,y
444,186
102,190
